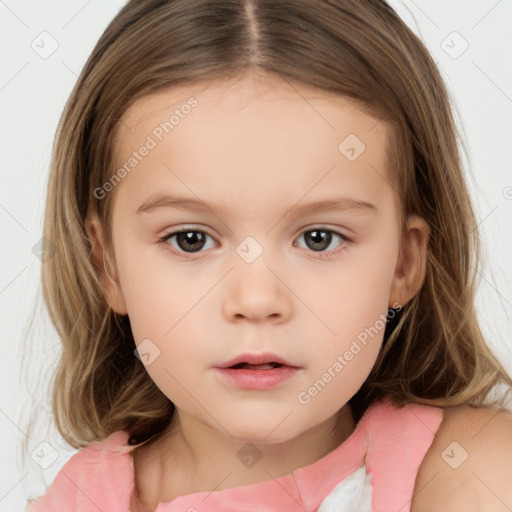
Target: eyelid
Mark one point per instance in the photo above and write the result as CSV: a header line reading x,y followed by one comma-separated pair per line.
x,y
324,227
184,229
312,227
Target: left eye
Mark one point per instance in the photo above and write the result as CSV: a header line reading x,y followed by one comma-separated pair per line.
x,y
318,239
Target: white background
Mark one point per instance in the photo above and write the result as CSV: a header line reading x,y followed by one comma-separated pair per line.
x,y
33,91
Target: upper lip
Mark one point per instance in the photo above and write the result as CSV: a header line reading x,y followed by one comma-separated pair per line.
x,y
256,359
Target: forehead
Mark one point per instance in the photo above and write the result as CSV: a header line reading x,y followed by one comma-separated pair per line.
x,y
224,97
257,135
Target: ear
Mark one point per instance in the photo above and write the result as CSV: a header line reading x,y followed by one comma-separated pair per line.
x,y
101,262
411,264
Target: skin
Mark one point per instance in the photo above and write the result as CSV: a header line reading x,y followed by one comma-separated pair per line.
x,y
257,147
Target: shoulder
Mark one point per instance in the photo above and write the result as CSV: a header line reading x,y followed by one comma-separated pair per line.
x,y
86,473
467,467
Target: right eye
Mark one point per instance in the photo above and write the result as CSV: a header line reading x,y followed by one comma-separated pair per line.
x,y
186,241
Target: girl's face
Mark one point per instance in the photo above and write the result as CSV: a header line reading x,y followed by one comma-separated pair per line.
x,y
292,248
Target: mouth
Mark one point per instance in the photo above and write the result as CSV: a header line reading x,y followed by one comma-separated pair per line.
x,y
248,366
250,361
256,376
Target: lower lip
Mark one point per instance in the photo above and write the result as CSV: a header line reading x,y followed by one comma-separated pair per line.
x,y
257,379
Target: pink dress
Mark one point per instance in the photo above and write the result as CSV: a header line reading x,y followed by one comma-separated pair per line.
x,y
372,470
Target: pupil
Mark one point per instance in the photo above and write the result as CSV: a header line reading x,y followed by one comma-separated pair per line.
x,y
190,240
321,239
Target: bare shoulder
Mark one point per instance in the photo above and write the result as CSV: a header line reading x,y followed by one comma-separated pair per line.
x,y
468,467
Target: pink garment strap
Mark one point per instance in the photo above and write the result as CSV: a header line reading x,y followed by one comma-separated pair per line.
x,y
398,439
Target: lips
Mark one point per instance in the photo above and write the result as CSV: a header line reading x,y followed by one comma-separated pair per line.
x,y
266,361
256,372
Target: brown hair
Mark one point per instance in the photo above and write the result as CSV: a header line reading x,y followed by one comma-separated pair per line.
x,y
433,353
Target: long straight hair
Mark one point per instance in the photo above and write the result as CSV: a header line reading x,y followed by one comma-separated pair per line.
x,y
433,352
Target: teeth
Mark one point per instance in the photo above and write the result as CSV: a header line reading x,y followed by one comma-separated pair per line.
x,y
264,366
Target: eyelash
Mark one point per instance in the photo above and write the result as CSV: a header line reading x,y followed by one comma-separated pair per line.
x,y
322,254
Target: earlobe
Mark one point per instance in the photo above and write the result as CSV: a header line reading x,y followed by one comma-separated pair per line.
x,y
100,259
411,264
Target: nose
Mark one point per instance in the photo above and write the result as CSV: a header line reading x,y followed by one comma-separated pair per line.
x,y
257,293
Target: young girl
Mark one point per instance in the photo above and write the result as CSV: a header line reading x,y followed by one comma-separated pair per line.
x,y
264,270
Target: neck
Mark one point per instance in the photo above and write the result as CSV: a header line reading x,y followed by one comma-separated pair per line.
x,y
192,457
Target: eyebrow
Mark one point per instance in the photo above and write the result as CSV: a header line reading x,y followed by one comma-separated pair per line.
x,y
190,204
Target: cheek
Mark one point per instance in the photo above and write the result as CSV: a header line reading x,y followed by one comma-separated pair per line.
x,y
162,307
353,309
148,287
352,298
165,303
